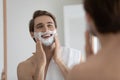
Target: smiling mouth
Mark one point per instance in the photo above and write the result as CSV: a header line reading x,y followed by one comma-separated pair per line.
x,y
46,36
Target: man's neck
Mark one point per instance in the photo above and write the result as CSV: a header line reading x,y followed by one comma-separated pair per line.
x,y
110,40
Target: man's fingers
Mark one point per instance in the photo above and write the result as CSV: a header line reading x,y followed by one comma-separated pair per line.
x,y
39,47
57,53
57,41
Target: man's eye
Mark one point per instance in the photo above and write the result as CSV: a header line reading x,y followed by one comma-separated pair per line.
x,y
49,25
40,26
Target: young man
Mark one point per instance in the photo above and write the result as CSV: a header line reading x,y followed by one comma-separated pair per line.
x,y
103,18
50,61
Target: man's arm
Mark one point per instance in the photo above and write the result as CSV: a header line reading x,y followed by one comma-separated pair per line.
x,y
64,69
39,73
57,58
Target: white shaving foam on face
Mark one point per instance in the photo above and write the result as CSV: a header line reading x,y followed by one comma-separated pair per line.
x,y
47,42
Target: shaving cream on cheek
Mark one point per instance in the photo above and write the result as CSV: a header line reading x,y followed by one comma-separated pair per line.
x,y
47,42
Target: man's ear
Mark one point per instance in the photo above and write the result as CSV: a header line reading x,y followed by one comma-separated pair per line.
x,y
32,34
88,18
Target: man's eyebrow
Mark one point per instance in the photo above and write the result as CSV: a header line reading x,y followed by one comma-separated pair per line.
x,y
50,22
39,24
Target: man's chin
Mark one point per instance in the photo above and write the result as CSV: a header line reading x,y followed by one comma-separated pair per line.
x,y
48,44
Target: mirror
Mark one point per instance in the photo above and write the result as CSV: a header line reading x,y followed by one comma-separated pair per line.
x,y
71,27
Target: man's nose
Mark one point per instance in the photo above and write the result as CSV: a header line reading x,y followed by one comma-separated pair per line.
x,y
45,29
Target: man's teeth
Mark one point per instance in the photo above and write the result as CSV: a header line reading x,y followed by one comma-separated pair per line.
x,y
47,35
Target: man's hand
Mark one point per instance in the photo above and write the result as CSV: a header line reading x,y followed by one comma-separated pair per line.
x,y
57,51
57,58
88,45
40,54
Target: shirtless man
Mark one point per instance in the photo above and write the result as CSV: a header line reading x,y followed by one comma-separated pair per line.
x,y
103,18
50,61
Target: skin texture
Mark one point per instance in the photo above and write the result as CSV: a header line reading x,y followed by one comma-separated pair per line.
x,y
103,66
35,68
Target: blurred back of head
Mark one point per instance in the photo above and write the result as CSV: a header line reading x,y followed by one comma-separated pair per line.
x,y
105,14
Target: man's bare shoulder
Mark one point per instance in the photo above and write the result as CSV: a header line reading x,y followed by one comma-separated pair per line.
x,y
25,69
78,72
27,65
87,70
99,67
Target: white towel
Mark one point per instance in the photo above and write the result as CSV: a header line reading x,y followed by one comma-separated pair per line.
x,y
70,58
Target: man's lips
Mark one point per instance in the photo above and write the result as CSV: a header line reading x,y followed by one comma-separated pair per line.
x,y
46,36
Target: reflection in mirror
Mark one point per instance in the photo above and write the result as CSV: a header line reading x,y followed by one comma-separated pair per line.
x,y
21,45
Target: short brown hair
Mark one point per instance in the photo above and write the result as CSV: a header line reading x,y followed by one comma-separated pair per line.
x,y
40,13
105,14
